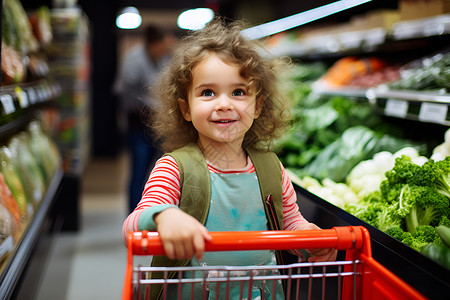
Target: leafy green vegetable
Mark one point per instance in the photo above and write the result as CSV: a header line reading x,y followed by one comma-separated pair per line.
x,y
443,176
398,233
318,120
411,203
423,236
355,145
432,74
415,189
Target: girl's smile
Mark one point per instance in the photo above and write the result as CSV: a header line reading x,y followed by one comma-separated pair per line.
x,y
224,123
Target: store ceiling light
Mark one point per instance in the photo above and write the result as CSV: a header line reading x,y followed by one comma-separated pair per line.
x,y
296,20
129,18
195,19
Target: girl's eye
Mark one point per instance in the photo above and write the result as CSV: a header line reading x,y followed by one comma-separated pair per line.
x,y
207,93
238,92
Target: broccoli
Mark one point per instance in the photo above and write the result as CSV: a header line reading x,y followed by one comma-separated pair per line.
x,y
445,221
418,192
424,235
443,176
421,205
398,233
390,193
410,203
403,172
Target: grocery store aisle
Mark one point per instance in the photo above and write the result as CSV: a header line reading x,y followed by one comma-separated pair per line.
x,y
90,264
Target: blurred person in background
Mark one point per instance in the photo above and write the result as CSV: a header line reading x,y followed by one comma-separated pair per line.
x,y
137,73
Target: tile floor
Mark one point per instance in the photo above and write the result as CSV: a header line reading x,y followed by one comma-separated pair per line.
x,y
92,260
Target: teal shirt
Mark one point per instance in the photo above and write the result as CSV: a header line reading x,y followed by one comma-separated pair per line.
x,y
235,206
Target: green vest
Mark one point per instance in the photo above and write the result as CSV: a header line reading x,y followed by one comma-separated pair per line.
x,y
196,194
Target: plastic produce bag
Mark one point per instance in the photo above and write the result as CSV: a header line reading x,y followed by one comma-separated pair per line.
x,y
14,183
32,177
44,150
7,230
8,201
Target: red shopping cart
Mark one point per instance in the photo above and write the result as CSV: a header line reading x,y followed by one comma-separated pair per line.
x,y
359,276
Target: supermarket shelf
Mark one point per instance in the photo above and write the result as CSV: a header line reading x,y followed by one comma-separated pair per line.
x,y
17,97
16,264
363,40
425,275
432,97
422,28
430,107
351,93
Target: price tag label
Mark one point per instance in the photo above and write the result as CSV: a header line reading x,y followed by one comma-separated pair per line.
x,y
22,96
32,97
433,112
48,93
41,94
396,108
8,103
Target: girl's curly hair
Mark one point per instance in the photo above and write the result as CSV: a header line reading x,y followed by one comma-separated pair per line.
x,y
224,40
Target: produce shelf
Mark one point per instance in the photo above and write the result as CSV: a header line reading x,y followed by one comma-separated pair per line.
x,y
19,98
425,275
421,28
420,106
365,40
18,260
431,107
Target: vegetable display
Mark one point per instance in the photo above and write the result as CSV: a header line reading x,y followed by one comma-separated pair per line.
x,y
367,176
331,134
356,144
23,41
411,202
343,152
430,73
14,182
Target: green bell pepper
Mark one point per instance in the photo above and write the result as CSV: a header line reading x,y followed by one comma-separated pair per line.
x,y
438,253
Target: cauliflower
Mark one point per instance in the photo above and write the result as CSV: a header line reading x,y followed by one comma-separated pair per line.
x,y
408,151
443,150
366,184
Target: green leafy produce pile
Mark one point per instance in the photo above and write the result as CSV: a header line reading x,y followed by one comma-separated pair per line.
x,y
431,73
411,203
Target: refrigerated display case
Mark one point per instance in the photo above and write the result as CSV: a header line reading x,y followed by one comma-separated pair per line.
x,y
16,250
31,164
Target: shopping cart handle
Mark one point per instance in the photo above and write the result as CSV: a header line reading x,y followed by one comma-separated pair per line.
x,y
341,238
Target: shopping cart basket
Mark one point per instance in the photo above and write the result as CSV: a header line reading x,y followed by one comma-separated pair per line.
x,y
359,276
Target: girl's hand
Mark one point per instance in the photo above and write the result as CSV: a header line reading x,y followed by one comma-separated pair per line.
x,y
182,235
317,255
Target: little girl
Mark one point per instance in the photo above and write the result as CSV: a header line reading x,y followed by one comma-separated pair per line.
x,y
220,111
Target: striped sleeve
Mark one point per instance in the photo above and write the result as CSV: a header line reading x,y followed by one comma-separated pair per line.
x,y
162,187
291,213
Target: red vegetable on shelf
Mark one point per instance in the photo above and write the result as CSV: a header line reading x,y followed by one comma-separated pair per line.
x,y
8,201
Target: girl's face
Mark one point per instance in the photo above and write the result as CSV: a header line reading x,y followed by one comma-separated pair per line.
x,y
220,105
